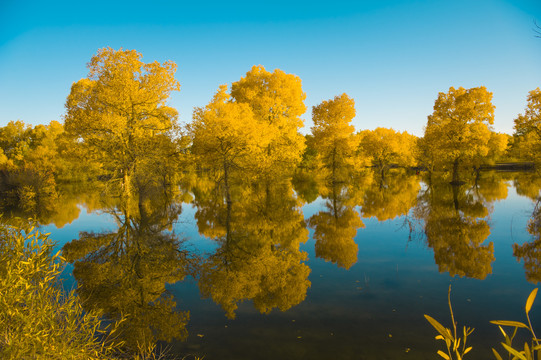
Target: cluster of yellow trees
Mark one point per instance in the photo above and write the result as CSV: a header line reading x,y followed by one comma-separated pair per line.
x,y
118,126
120,133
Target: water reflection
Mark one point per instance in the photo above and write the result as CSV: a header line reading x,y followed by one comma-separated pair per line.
x,y
258,229
529,184
124,272
391,196
456,224
57,207
336,226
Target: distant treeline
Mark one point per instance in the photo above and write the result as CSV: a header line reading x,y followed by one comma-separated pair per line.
x,y
118,128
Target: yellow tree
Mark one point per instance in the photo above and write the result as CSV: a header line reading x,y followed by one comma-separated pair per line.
x,y
497,149
459,128
528,127
119,112
29,164
226,137
277,100
333,135
386,147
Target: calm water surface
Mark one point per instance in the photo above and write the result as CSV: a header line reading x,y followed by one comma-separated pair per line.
x,y
310,271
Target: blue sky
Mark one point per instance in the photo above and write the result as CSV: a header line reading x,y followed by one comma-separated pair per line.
x,y
392,57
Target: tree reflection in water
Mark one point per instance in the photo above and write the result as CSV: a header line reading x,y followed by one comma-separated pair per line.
x,y
124,273
455,224
336,227
530,251
258,234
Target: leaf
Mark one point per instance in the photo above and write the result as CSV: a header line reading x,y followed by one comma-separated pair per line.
x,y
530,300
457,344
440,328
498,357
509,323
514,352
527,351
443,355
467,350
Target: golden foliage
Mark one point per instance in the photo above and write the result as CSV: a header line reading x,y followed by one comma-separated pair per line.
x,y
37,319
333,135
276,100
390,197
527,137
459,128
385,147
226,136
119,112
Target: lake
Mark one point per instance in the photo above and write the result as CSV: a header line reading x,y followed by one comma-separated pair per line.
x,y
308,269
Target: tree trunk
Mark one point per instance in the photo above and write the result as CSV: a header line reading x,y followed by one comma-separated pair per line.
x,y
456,180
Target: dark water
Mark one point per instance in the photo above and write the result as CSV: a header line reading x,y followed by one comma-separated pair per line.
x,y
313,270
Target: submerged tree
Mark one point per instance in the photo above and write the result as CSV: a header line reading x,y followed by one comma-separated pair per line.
x,y
226,137
527,136
119,112
276,100
459,128
333,134
386,147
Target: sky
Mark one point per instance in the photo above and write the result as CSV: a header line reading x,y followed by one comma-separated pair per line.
x,y
391,57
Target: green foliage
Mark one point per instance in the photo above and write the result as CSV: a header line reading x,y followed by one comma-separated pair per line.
x,y
37,319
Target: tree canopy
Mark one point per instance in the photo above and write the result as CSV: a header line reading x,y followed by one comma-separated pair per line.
x,y
459,128
277,100
333,134
119,112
